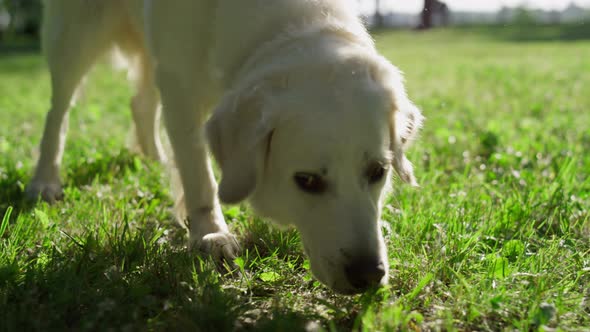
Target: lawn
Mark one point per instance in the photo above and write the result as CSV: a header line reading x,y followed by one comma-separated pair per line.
x,y
497,237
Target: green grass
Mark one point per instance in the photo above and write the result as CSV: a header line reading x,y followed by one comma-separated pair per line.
x,y
496,238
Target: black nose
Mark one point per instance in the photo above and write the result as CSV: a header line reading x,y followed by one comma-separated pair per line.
x,y
364,272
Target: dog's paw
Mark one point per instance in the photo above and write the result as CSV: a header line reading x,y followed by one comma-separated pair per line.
x,y
221,246
50,192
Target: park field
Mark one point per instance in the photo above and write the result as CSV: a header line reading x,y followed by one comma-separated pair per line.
x,y
497,236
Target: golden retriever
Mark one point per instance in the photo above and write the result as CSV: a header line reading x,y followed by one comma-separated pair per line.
x,y
302,114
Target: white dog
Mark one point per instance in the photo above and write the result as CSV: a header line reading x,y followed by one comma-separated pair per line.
x,y
307,118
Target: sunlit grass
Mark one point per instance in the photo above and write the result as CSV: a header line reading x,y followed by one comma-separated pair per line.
x,y
496,237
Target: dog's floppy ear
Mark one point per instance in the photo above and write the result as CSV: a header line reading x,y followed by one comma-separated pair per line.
x,y
405,119
235,133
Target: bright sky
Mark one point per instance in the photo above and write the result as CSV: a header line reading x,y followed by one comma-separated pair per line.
x,y
413,6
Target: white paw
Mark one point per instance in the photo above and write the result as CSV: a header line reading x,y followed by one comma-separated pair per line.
x,y
50,192
221,246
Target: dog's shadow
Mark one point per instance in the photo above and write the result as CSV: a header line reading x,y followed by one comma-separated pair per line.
x,y
98,284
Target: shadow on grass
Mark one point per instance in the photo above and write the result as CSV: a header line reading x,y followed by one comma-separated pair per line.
x,y
141,289
123,283
130,279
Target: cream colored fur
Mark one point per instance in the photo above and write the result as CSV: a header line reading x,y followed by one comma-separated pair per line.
x,y
292,85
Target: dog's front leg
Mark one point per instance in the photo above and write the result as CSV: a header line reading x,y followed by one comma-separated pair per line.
x,y
184,119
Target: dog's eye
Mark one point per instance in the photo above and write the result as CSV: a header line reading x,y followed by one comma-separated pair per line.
x,y
375,173
310,183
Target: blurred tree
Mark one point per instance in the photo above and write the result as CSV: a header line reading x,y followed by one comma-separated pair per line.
x,y
25,16
434,13
524,17
426,15
378,16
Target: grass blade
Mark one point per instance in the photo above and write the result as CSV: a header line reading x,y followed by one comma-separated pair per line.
x,y
5,220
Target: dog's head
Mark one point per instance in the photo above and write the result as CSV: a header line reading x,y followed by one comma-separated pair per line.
x,y
314,148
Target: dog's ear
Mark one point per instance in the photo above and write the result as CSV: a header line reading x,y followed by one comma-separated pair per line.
x,y
405,119
236,133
